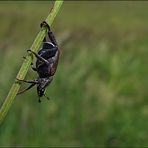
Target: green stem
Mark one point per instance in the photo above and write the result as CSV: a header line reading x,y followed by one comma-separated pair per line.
x,y
26,64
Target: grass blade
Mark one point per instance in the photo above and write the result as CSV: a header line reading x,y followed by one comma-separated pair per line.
x,y
26,64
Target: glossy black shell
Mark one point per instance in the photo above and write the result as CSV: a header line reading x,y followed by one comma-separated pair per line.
x,y
47,52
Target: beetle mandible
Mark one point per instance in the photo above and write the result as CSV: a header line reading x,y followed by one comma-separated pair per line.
x,y
46,63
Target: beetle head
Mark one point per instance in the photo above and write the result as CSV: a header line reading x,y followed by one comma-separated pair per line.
x,y
40,91
42,84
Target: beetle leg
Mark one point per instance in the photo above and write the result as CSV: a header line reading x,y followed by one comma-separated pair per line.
x,y
52,38
26,89
50,33
46,97
39,57
43,24
26,81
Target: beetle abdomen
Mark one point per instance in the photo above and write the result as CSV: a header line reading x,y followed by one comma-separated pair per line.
x,y
43,71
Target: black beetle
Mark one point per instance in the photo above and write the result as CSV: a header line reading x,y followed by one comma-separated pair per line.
x,y
46,64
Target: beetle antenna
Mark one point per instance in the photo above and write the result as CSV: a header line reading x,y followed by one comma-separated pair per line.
x,y
39,100
46,97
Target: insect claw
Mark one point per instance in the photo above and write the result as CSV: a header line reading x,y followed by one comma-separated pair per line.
x,y
24,57
29,50
18,80
45,24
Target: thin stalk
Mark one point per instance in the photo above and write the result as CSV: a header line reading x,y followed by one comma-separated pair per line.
x,y
26,63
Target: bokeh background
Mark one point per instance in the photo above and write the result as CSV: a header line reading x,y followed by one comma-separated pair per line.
x,y
99,94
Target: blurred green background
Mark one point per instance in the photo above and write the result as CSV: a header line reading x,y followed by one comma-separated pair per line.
x,y
99,94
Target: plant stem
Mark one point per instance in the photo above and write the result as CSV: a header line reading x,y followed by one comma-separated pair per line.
x,y
26,64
